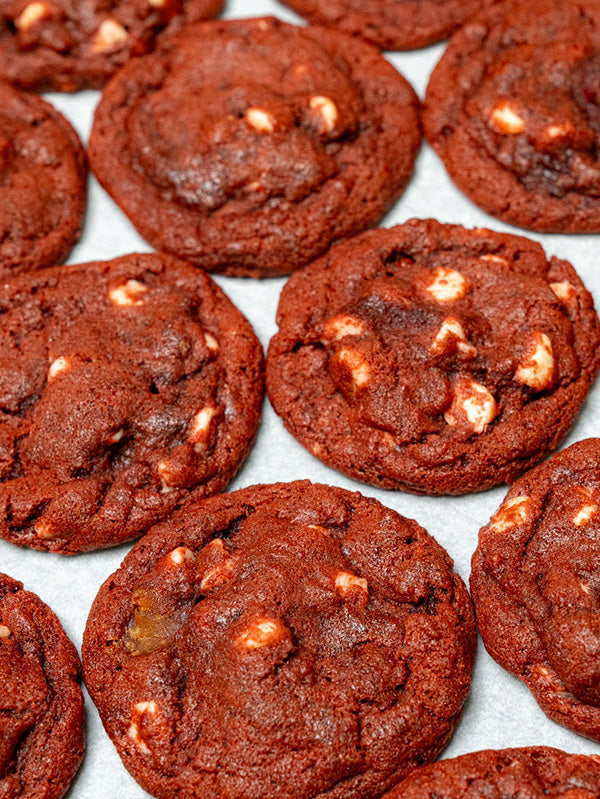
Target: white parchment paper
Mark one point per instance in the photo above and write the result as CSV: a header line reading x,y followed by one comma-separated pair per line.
x,y
500,712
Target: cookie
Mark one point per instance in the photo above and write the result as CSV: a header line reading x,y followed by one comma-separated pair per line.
x,y
65,45
512,110
42,183
128,388
253,162
432,358
390,24
536,585
288,640
534,772
41,725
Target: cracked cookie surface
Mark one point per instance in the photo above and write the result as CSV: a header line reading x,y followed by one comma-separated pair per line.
x,y
390,24
64,45
432,358
253,163
42,183
291,641
536,585
41,723
127,388
512,110
535,772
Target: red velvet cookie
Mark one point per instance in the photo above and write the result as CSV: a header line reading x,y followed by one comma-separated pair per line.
x,y
390,24
64,45
128,388
512,110
432,358
536,773
41,718
253,162
285,641
536,585
42,183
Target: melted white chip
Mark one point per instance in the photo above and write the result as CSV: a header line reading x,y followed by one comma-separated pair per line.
x,y
447,285
260,120
505,119
511,514
537,369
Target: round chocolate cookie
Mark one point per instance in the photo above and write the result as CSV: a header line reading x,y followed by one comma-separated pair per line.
x,y
536,585
432,358
65,45
512,109
42,183
127,388
390,24
254,162
41,718
285,641
535,773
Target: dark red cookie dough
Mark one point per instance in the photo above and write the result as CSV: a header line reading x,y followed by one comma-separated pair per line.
x,y
42,183
536,585
512,110
128,388
248,146
390,24
64,45
432,358
534,772
41,718
287,641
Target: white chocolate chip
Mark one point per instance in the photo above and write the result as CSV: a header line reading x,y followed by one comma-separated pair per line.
x,y
57,366
109,36
447,285
127,294
537,369
201,422
556,131
166,478
346,582
341,326
43,530
511,514
211,343
260,120
359,368
452,331
327,109
157,3
505,120
565,291
31,14
584,515
180,555
146,707
261,633
140,710
496,259
585,587
472,403
4,632
116,437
